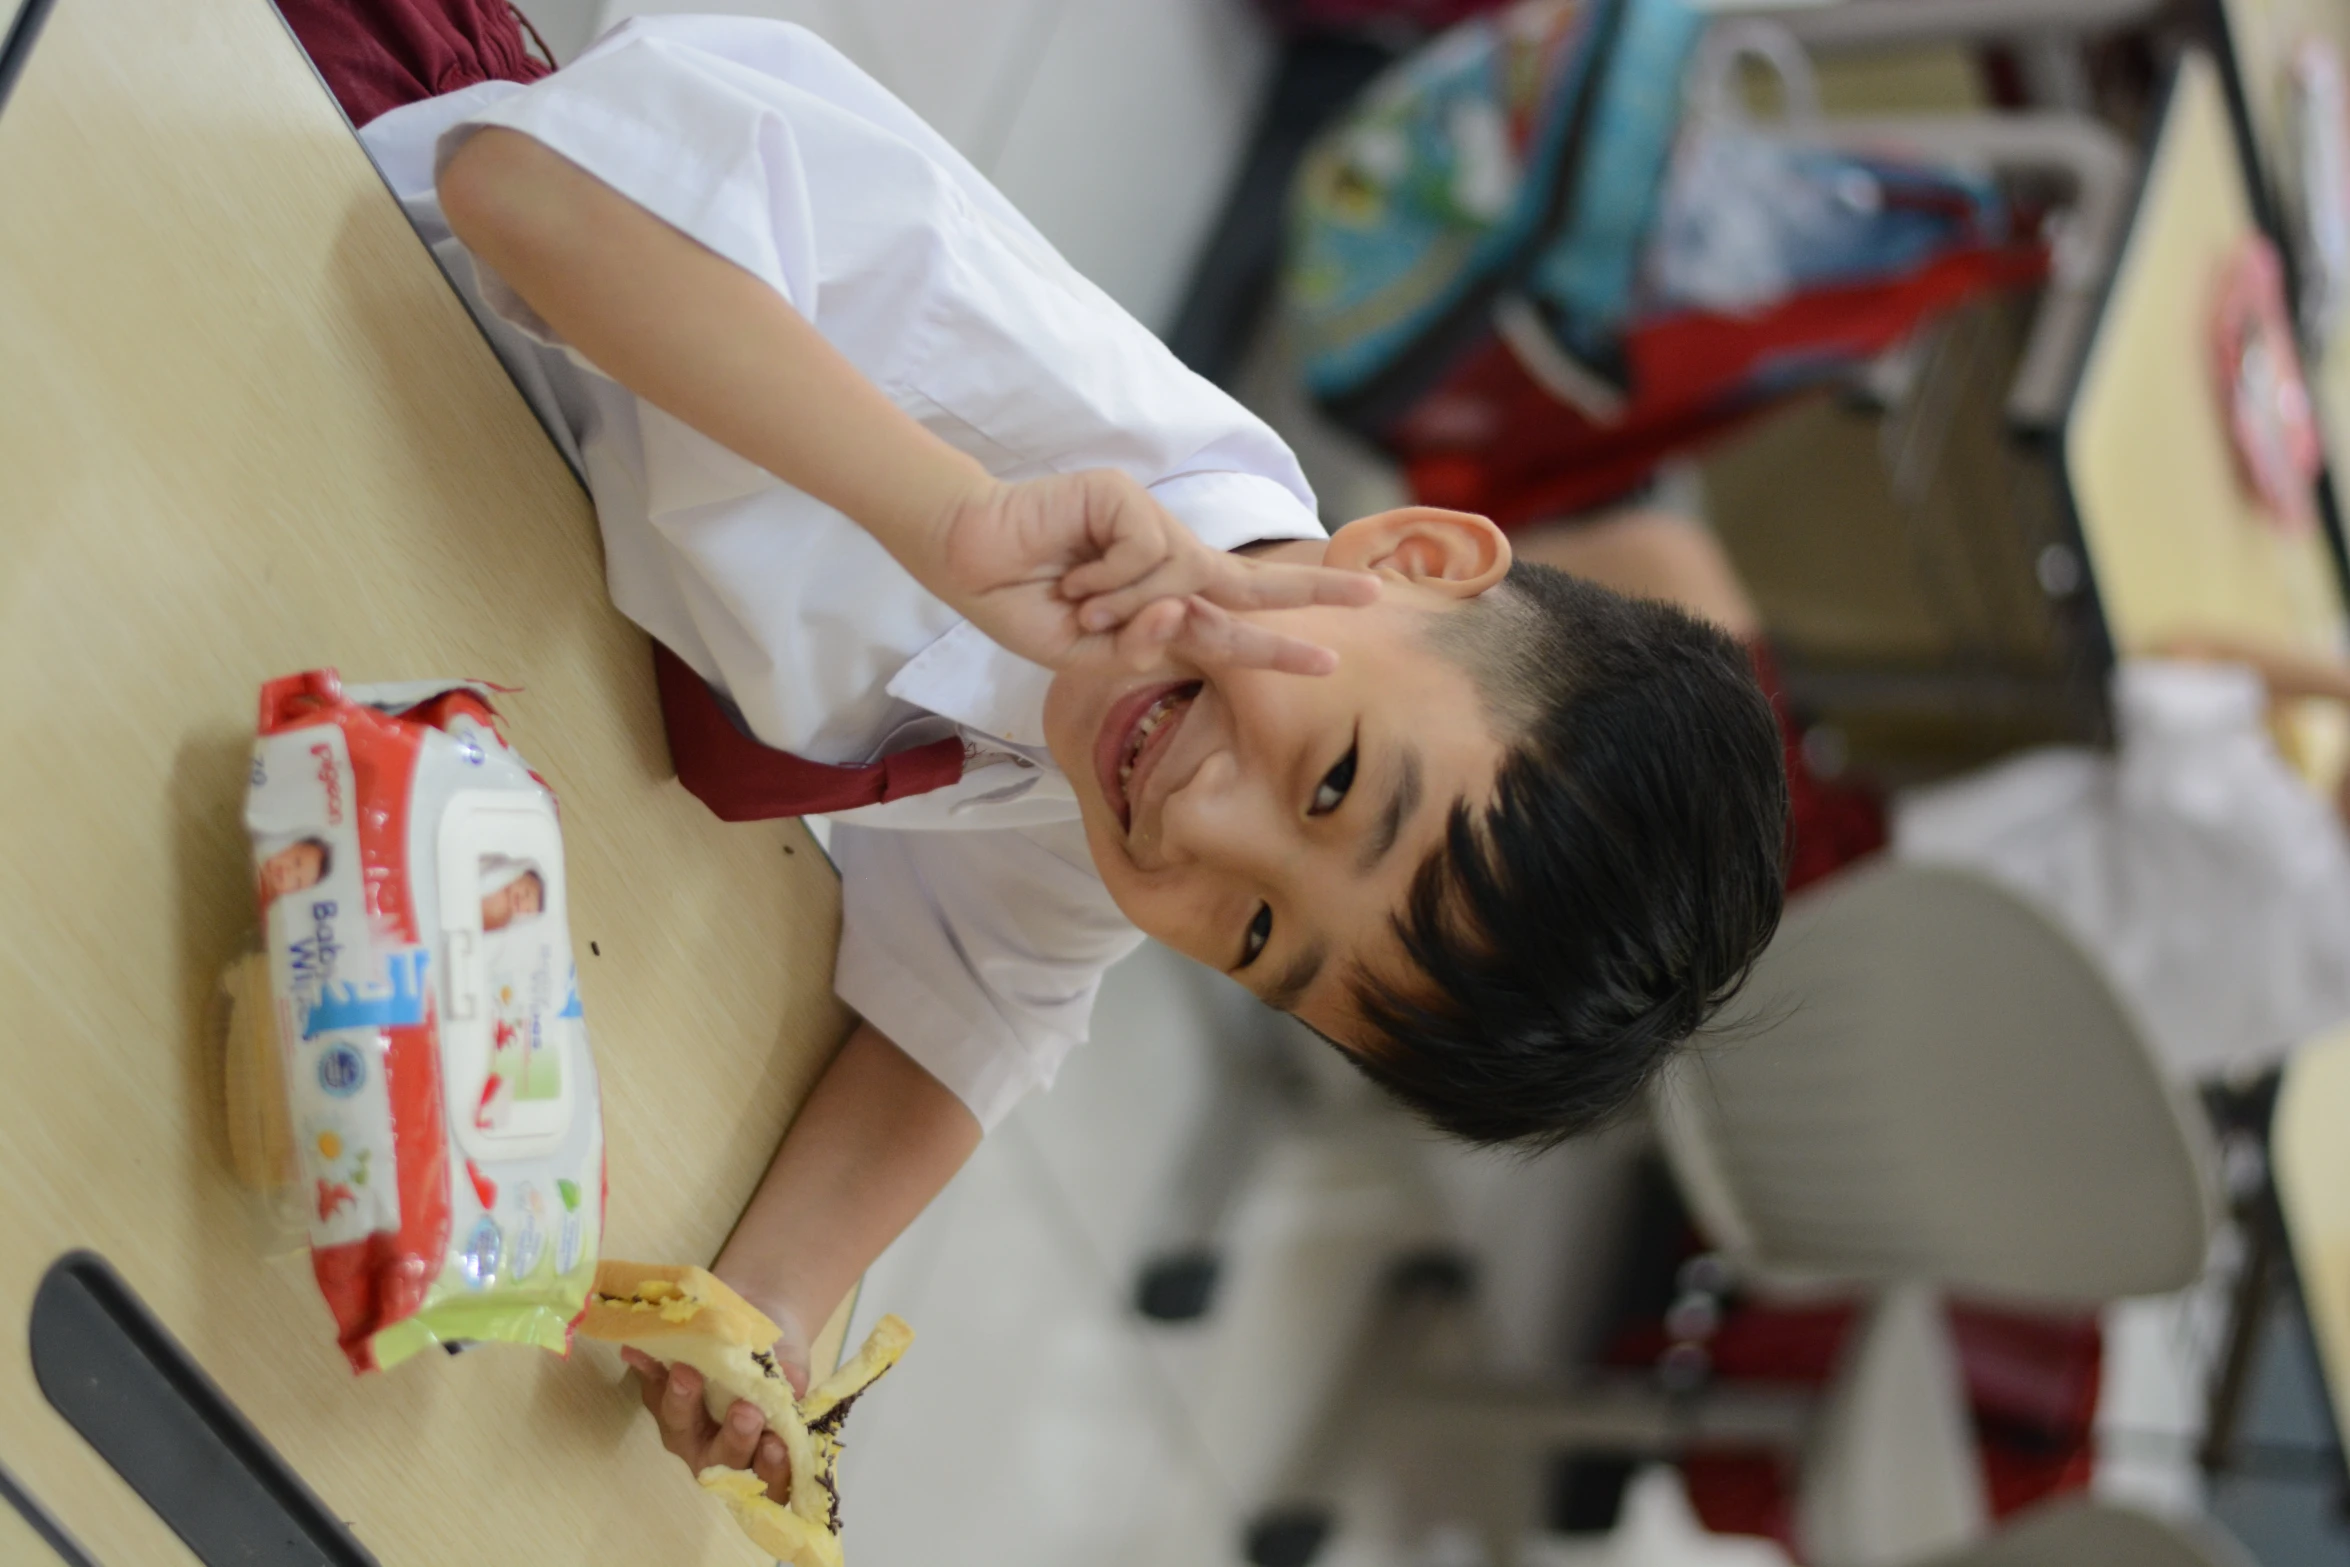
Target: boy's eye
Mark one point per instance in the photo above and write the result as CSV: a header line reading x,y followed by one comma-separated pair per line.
x,y
1334,785
1260,931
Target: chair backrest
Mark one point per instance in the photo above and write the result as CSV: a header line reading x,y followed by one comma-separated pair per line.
x,y
2098,1534
1925,1078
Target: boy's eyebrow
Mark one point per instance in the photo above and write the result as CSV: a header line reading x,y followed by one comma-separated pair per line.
x,y
1285,993
1400,805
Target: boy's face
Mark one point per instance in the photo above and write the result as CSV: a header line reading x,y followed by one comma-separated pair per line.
x,y
1269,825
291,869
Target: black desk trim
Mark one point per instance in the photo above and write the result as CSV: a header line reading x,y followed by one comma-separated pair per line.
x,y
18,47
36,1517
141,1401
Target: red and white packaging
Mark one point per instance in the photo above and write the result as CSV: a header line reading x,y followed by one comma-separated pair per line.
x,y
440,1093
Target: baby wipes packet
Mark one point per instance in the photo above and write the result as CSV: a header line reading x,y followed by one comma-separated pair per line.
x,y
440,1095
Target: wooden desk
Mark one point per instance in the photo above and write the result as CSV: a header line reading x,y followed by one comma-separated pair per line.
x,y
2174,537
2309,1162
245,428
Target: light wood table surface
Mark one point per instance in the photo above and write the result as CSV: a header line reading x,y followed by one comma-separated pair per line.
x,y
2176,540
246,429
2309,1162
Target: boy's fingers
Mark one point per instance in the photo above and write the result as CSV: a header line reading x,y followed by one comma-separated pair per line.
x,y
652,1379
1130,560
1138,542
1143,639
773,1465
738,1437
679,1402
1212,637
1109,610
1234,583
1249,584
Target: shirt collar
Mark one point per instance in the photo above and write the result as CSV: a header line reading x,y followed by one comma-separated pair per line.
x,y
1228,509
964,677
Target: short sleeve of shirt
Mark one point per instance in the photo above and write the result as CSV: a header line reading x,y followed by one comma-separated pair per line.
x,y
977,953
765,145
736,159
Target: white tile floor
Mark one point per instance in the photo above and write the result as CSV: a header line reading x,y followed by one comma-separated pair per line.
x,y
1039,1420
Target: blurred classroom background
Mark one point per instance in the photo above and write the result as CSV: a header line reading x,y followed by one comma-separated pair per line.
x,y
1209,1300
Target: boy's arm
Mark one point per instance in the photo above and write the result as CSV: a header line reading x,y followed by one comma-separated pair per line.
x,y
2289,674
876,1141
1059,569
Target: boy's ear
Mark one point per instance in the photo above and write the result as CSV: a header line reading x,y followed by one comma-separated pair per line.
x,y
1454,552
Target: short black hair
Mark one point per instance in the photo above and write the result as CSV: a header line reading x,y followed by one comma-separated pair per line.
x,y
1627,872
326,855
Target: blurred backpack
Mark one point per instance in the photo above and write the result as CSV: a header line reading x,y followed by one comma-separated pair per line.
x,y
1522,267
1390,18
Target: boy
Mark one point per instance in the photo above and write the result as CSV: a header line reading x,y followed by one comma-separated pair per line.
x,y
874,463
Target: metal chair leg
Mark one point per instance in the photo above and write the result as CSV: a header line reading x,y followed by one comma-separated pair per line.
x,y
1291,1529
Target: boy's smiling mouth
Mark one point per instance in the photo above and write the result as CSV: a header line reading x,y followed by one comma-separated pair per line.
x,y
1135,733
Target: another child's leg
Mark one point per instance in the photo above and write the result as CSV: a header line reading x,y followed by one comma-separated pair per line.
x,y
1649,554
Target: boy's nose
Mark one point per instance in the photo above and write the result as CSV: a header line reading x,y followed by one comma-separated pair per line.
x,y
1214,820
1187,815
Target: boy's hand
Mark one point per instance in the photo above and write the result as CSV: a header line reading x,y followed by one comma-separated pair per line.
x,y
673,1394
1074,568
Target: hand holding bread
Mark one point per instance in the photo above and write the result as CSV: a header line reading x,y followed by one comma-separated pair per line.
x,y
709,1362
738,1440
1074,568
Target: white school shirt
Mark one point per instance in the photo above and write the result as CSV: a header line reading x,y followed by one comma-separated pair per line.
x,y
975,930
2208,878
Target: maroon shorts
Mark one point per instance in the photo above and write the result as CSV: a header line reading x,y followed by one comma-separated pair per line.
x,y
376,55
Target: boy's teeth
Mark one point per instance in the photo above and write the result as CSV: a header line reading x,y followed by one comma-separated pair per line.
x,y
1142,731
